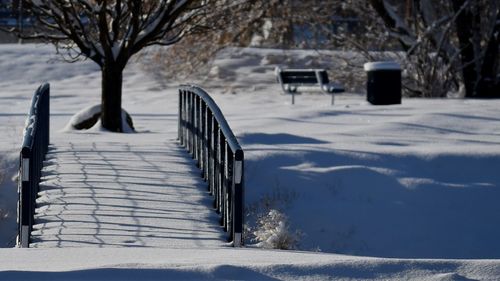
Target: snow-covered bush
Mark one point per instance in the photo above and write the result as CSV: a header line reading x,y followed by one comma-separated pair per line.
x,y
273,232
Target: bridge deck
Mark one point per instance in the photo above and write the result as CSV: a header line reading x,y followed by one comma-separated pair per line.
x,y
122,192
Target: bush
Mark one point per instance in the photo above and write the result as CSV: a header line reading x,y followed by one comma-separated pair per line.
x,y
273,232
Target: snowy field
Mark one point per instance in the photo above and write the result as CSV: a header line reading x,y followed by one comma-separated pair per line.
x,y
407,184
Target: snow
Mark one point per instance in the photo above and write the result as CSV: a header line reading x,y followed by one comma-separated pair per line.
x,y
82,115
90,111
227,264
381,65
414,185
122,193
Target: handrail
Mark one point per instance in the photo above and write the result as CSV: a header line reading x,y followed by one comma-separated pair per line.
x,y
35,146
205,133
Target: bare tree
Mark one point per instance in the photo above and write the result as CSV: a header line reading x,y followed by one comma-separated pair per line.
x,y
110,32
446,44
478,31
451,37
239,23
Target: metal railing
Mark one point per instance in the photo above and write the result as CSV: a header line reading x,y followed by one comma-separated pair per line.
x,y
204,131
34,149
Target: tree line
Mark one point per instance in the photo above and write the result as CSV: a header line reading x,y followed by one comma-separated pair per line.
x,y
449,44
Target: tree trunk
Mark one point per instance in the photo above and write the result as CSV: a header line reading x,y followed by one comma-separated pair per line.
x,y
479,73
488,85
111,99
464,24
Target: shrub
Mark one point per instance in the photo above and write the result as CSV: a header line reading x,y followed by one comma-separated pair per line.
x,y
273,232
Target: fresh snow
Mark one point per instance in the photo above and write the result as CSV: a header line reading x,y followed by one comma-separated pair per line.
x,y
418,180
227,264
90,111
132,192
82,115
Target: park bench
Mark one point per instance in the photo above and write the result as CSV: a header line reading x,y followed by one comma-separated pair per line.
x,y
292,79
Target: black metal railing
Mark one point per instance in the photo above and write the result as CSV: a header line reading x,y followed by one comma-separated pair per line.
x,y
204,131
35,147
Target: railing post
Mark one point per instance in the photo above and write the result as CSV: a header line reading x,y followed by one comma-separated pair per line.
x,y
222,178
191,124
228,190
238,200
195,130
189,121
203,139
25,200
213,151
218,172
223,199
184,119
179,118
198,131
46,120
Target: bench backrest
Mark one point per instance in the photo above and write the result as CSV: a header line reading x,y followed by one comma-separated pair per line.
x,y
291,79
323,76
303,76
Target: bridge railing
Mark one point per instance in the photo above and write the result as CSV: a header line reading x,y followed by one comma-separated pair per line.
x,y
34,149
204,131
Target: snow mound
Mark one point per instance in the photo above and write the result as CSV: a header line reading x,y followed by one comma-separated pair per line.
x,y
89,118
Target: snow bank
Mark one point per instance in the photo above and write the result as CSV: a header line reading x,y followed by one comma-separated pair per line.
x,y
227,264
82,116
93,112
418,180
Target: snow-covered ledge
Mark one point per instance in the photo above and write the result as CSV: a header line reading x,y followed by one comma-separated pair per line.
x,y
381,65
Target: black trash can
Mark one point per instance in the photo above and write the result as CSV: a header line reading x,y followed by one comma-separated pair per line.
x,y
383,85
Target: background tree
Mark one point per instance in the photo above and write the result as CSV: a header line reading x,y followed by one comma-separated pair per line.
x,y
238,23
110,32
448,43
281,24
445,45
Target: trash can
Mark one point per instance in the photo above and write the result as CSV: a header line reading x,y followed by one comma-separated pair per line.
x,y
383,85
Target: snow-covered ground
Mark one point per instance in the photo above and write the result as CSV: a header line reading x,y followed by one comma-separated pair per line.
x,y
417,180
227,264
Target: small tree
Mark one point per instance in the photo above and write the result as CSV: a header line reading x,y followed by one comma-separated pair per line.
x,y
110,32
273,231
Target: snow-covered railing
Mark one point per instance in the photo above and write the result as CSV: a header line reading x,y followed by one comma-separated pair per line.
x,y
34,149
204,131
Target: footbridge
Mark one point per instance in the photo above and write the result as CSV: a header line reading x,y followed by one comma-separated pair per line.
x,y
102,189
